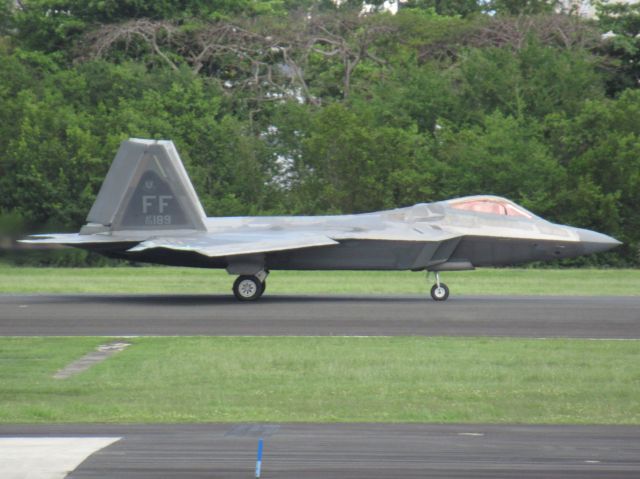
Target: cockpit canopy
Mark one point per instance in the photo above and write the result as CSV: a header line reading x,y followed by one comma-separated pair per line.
x,y
493,205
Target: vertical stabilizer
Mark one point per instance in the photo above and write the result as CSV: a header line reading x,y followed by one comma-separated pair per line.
x,y
147,187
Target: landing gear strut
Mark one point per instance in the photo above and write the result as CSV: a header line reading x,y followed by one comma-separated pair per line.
x,y
250,287
439,291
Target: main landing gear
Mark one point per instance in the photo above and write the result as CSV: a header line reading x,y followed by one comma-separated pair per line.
x,y
439,291
250,287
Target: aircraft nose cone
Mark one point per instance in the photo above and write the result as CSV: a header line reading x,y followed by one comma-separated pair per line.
x,y
593,242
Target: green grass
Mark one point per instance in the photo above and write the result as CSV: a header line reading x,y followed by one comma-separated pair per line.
x,y
324,379
187,280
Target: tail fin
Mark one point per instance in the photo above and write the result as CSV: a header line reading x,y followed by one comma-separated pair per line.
x,y
148,188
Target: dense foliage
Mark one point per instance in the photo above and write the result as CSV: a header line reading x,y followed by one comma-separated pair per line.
x,y
301,107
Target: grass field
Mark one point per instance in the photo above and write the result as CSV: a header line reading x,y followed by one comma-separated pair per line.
x,y
324,379
187,280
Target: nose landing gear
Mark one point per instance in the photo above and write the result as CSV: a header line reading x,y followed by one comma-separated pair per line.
x,y
439,291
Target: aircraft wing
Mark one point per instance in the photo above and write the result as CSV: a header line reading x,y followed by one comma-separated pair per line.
x,y
246,242
230,244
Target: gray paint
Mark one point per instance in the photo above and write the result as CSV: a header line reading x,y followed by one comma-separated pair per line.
x,y
147,210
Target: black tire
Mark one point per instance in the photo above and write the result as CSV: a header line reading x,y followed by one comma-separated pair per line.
x,y
440,294
247,288
264,286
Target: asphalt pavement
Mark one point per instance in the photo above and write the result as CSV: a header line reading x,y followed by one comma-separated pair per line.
x,y
353,450
185,315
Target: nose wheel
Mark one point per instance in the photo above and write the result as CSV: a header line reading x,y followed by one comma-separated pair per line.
x,y
439,291
250,287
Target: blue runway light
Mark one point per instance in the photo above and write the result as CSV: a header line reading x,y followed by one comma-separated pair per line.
x,y
259,458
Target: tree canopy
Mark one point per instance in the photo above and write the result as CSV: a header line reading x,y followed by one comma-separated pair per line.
x,y
308,107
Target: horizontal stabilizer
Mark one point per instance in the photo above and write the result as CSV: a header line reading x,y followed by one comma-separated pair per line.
x,y
232,244
75,239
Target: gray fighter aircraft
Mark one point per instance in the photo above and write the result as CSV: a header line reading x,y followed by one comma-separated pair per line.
x,y
147,210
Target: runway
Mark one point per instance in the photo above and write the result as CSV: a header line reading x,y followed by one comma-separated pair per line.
x,y
186,315
353,450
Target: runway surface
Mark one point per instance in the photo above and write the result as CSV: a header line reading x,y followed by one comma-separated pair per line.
x,y
184,315
354,450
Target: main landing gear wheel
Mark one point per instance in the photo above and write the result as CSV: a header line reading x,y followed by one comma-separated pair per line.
x,y
248,288
439,291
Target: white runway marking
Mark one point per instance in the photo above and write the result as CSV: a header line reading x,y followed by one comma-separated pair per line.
x,y
46,457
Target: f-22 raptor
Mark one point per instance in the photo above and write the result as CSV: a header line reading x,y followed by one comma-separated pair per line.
x,y
147,210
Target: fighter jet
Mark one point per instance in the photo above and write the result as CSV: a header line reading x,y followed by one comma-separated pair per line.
x,y
147,210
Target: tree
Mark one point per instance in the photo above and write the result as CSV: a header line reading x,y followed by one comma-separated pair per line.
x,y
600,149
63,131
56,25
348,165
620,21
445,7
6,16
521,7
504,156
533,81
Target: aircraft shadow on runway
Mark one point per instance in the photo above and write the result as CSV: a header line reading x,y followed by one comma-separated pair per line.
x,y
222,299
